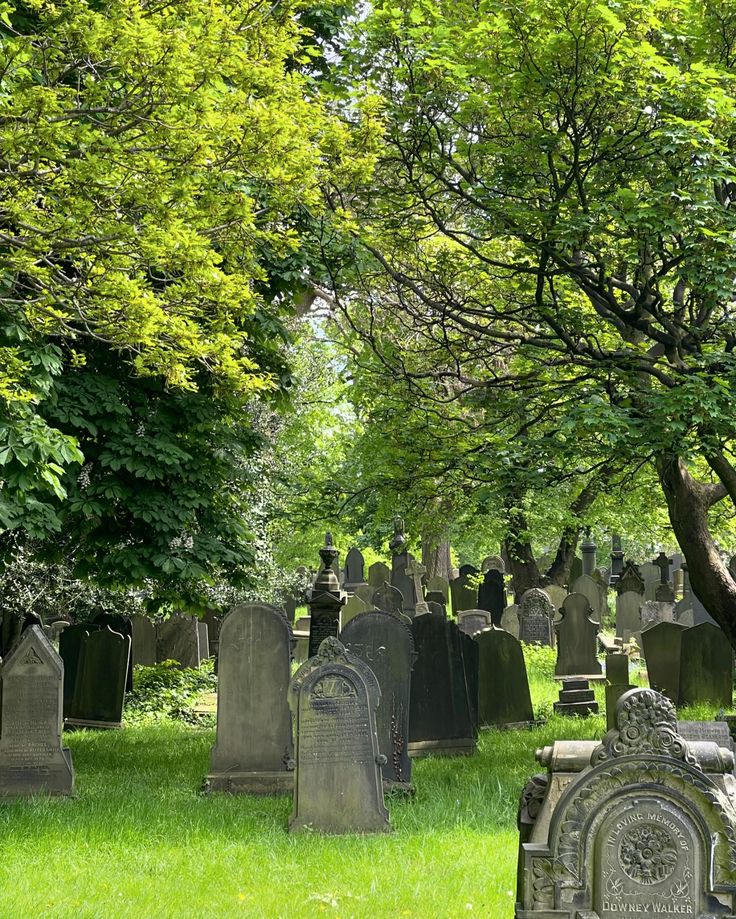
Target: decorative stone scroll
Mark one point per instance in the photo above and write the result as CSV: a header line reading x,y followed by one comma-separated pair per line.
x,y
640,824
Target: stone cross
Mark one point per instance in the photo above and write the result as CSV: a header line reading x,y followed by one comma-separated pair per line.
x,y
415,570
663,563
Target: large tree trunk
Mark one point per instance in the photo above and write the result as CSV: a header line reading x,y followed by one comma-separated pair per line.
x,y
559,571
524,568
688,502
436,557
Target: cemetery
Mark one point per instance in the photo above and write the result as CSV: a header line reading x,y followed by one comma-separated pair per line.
x,y
367,459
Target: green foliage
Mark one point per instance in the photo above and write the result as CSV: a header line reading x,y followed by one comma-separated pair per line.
x,y
168,691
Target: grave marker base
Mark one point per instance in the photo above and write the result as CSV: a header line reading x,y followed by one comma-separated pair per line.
x,y
250,783
460,746
72,723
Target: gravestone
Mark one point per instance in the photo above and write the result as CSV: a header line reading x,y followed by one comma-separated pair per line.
x,y
712,732
326,600
665,594
588,552
301,635
436,596
365,593
253,752
33,760
591,590
662,647
177,639
403,581
617,560
637,825
143,641
99,689
576,569
389,599
437,609
471,621
337,785
493,562
440,720
441,585
354,607
652,577
706,669
492,594
378,575
628,614
469,652
354,570
535,617
556,596
204,638
653,612
385,644
70,649
576,639
214,623
576,698
617,683
464,596
503,686
510,620
123,626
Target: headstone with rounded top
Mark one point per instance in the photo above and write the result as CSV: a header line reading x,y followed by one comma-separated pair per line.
x,y
494,562
253,751
510,620
99,688
492,594
464,593
354,570
337,784
504,697
536,615
471,621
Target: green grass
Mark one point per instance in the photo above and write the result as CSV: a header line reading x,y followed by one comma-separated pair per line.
x,y
139,840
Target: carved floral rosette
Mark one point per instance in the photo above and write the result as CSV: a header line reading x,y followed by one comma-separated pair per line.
x,y
644,758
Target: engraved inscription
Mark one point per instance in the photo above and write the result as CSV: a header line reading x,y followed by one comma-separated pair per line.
x,y
335,727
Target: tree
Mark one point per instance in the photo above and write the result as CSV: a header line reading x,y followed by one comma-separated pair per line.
x,y
555,194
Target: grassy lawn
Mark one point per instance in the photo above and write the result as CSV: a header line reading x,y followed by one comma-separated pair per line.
x,y
139,840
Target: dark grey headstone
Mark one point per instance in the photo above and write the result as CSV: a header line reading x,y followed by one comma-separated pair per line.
x,y
706,670
354,569
471,621
662,647
504,697
385,644
99,690
204,640
471,663
389,599
214,622
441,586
402,580
535,617
437,609
464,596
337,786
378,574
32,758
441,720
492,594
70,649
253,752
177,639
617,683
577,639
143,641
123,626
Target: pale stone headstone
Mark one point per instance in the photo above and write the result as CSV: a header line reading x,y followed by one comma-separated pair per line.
x,y
385,644
653,611
337,785
253,752
378,574
652,577
365,593
354,607
536,614
577,634
556,596
590,589
628,613
204,640
510,620
471,621
33,760
441,585
493,562
503,686
620,829
99,688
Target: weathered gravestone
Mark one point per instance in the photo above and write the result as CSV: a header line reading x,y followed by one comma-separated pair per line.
x,y
389,599
503,686
378,575
437,609
590,588
385,644
471,621
123,626
214,622
32,758
576,639
535,617
143,641
436,597
354,568
556,596
204,638
177,639
698,732
326,600
354,607
337,785
469,652
510,620
637,825
253,752
652,577
99,688
492,594
629,596
464,595
441,717
662,647
576,698
706,669
402,566
440,585
493,562
653,611
617,683
365,593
